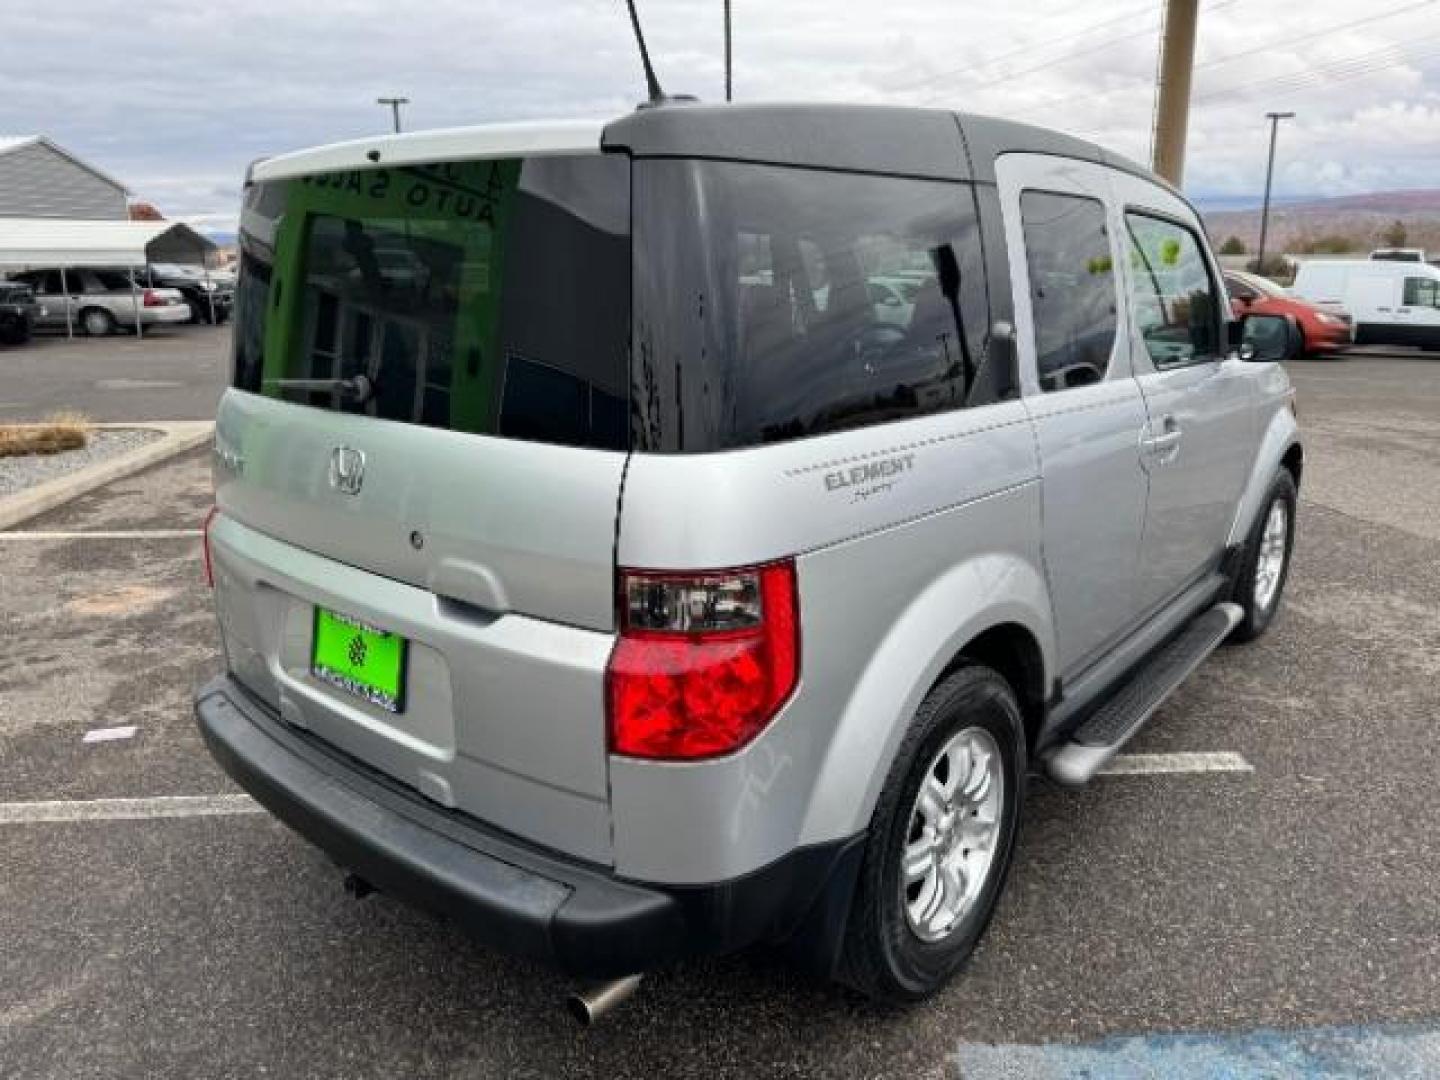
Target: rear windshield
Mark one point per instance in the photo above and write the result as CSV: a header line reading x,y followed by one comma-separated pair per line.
x,y
774,303
490,297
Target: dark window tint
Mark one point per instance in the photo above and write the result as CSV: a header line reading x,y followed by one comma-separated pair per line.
x,y
1072,287
1422,292
776,303
447,287
1174,299
117,280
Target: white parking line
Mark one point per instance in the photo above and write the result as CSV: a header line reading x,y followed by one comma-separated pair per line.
x,y
118,534
110,734
183,806
168,806
1202,762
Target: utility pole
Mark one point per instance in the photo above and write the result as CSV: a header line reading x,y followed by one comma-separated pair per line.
x,y
1275,118
394,103
1177,62
727,51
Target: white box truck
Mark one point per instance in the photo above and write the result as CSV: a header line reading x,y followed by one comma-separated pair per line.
x,y
1392,303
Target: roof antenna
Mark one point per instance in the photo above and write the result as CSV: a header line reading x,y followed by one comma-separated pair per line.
x,y
652,84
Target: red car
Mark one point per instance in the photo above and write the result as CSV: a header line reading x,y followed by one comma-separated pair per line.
x,y
1322,330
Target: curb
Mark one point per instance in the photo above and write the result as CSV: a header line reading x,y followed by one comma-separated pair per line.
x,y
176,438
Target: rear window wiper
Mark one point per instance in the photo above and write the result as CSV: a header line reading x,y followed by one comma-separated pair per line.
x,y
356,390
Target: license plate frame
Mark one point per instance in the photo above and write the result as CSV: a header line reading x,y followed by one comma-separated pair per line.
x,y
360,659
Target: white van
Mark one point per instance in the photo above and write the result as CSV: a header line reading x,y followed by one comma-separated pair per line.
x,y
1393,303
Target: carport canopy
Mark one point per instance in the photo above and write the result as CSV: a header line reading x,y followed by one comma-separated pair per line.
x,y
62,242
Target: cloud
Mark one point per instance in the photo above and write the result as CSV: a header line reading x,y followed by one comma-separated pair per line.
x,y
176,98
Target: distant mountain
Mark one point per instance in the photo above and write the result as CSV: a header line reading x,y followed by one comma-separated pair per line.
x,y
1360,220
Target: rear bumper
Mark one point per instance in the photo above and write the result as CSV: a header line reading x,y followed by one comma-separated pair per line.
x,y
512,896
163,316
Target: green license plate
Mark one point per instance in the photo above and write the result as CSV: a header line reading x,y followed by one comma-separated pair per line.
x,y
360,659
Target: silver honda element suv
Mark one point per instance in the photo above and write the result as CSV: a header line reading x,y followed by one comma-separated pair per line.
x,y
646,539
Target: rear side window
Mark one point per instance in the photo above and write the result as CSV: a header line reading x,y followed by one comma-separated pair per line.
x,y
489,297
777,303
1072,287
1174,299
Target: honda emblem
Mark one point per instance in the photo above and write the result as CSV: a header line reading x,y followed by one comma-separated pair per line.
x,y
347,469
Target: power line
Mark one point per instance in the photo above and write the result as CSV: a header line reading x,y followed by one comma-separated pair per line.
x,y
1072,98
1022,50
1099,47
1339,70
1312,35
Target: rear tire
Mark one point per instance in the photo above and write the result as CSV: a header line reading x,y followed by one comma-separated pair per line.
x,y
1260,582
97,322
903,942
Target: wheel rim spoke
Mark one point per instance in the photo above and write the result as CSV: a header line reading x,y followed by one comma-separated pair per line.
x,y
919,860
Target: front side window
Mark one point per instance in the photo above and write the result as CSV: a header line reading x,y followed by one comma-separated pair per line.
x,y
777,303
1174,299
1072,287
1422,292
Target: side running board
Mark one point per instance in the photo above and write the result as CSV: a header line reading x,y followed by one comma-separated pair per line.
x,y
1110,727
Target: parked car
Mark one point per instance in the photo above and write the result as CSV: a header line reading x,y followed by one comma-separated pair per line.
x,y
209,297
1392,302
101,300
19,311
610,594
1322,330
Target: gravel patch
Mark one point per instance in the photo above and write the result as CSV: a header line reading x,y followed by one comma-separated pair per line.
x,y
19,473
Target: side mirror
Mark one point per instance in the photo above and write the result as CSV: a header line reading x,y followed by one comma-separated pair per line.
x,y
1265,338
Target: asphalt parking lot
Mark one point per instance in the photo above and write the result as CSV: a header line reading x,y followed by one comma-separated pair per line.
x,y
1299,894
173,373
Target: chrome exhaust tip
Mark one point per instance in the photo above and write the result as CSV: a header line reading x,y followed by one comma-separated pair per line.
x,y
590,1004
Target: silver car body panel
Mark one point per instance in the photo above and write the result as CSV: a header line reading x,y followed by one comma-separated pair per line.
x,y
492,557
898,568
505,713
502,525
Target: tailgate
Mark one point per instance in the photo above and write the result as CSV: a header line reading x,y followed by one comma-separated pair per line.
x,y
418,471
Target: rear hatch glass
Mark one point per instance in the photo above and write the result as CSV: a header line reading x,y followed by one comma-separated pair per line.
x,y
490,297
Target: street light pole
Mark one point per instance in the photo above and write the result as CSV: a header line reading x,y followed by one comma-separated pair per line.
x,y
1275,118
728,86
394,103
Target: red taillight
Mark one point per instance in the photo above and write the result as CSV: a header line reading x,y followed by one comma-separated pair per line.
x,y
704,660
152,299
205,543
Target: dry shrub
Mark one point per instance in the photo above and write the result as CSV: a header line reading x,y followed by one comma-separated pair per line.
x,y
61,432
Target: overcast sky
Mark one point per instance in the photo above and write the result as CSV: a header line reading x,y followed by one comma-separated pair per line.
x,y
174,98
